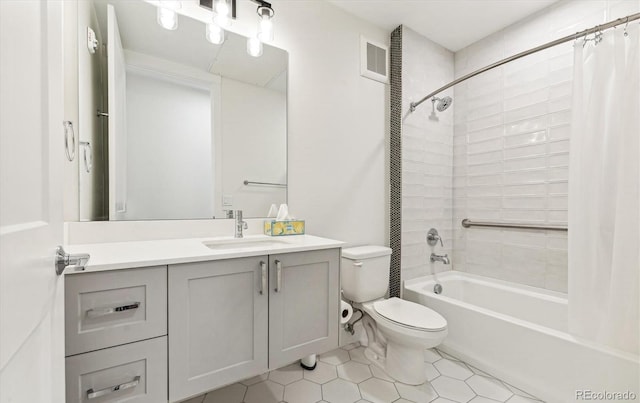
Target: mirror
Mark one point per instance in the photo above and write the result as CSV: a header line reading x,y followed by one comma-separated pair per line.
x,y
172,126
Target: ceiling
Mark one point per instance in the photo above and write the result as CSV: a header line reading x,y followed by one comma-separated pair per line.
x,y
454,24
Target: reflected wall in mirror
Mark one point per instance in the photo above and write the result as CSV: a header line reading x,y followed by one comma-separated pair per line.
x,y
171,126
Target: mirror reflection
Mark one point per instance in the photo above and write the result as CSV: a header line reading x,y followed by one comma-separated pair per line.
x,y
172,126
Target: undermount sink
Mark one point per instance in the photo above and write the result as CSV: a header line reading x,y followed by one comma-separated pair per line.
x,y
242,243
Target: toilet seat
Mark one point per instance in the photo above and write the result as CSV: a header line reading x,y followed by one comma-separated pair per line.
x,y
409,314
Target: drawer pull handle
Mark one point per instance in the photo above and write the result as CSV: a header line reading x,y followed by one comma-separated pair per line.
x,y
263,283
97,312
91,394
278,276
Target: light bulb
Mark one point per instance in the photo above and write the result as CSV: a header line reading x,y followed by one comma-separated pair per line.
x,y
265,28
222,14
254,47
215,34
222,8
168,19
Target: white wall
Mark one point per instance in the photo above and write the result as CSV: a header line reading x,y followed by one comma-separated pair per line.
x,y
427,155
169,158
511,145
254,140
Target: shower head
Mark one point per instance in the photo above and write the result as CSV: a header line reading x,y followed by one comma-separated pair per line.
x,y
443,103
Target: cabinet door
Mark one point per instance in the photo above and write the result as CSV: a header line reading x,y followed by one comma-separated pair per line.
x,y
303,305
218,321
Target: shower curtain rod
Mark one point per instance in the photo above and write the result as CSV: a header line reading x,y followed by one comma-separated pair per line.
x,y
597,28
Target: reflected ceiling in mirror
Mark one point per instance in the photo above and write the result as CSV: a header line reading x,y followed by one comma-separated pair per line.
x,y
183,123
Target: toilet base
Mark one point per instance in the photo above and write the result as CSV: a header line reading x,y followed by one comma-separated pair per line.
x,y
405,363
402,363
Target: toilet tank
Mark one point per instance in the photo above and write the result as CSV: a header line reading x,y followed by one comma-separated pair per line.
x,y
364,272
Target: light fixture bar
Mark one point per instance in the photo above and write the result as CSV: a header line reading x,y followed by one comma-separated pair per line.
x,y
208,4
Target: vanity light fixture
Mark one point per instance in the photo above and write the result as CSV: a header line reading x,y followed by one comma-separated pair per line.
x,y
265,29
167,16
224,11
265,25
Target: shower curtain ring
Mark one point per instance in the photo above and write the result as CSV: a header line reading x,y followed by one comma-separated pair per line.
x,y
625,27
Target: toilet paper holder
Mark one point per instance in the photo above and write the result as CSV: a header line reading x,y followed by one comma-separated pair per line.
x,y
349,326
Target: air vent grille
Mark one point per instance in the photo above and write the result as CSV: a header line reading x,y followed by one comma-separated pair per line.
x,y
374,60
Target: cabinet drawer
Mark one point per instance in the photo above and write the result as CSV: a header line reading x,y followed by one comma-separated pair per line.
x,y
110,308
133,373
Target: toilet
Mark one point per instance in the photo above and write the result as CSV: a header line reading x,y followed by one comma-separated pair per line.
x,y
398,331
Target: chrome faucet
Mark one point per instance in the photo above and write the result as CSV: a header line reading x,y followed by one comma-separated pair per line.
x,y
240,224
440,258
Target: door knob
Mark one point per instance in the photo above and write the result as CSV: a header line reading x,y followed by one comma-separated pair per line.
x,y
64,259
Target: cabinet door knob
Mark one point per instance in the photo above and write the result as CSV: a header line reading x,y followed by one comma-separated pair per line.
x,y
263,282
278,276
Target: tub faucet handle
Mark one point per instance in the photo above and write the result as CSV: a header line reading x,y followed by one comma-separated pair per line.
x,y
433,237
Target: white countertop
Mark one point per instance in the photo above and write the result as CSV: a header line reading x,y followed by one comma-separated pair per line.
x,y
126,255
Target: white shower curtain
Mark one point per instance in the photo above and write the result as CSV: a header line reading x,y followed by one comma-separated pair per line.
x,y
604,183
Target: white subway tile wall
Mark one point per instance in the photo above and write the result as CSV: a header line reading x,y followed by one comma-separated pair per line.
x,y
427,155
511,146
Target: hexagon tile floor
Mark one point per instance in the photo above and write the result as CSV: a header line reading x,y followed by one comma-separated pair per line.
x,y
345,375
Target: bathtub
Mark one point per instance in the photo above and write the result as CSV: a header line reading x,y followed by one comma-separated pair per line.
x,y
519,334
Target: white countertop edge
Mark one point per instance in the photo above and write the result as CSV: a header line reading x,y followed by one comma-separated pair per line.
x,y
129,255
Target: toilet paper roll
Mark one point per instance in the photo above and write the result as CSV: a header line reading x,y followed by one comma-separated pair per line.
x,y
346,311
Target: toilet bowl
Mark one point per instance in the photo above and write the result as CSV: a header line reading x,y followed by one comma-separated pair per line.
x,y
398,331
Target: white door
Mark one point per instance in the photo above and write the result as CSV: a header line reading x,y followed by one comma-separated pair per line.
x,y
31,152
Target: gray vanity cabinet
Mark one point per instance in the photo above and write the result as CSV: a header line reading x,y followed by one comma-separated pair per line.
x,y
228,322
197,326
218,321
303,305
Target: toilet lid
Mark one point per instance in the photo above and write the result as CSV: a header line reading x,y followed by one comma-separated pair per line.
x,y
410,314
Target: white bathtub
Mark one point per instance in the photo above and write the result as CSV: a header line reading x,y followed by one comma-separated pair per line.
x,y
519,334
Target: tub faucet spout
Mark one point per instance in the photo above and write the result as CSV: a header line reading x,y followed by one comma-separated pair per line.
x,y
440,258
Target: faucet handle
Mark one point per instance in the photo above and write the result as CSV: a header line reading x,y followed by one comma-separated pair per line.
x,y
433,237
245,225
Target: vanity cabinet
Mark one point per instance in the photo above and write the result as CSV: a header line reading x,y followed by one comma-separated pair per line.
x,y
167,333
233,319
218,320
